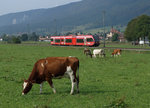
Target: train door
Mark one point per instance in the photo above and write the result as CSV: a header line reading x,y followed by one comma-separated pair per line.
x,y
62,41
85,41
73,40
54,41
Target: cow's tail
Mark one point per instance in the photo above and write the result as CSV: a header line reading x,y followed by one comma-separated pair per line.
x,y
78,72
77,75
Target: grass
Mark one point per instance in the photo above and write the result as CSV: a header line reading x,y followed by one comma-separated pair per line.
x,y
123,45
121,82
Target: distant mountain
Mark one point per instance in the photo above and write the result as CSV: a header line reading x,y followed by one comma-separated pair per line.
x,y
87,13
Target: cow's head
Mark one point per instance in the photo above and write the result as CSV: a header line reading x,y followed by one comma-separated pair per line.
x,y
27,85
112,54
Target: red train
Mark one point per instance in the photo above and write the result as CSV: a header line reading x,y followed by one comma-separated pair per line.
x,y
81,40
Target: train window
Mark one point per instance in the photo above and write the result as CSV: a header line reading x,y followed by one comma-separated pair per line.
x,y
68,40
51,40
89,40
57,40
80,41
62,40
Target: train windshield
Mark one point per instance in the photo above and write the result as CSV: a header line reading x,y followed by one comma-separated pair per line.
x,y
89,40
51,40
96,38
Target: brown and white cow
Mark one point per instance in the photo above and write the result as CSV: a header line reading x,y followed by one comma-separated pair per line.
x,y
116,52
87,52
53,67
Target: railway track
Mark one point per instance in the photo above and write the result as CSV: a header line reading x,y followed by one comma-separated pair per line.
x,y
136,49
131,49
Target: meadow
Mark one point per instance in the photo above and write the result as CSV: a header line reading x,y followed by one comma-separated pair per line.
x,y
121,82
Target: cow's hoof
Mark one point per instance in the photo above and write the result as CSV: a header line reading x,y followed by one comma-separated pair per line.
x,y
71,93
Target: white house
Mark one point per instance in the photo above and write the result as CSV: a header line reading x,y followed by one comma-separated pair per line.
x,y
1,39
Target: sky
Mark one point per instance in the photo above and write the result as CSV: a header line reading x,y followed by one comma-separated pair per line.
x,y
12,6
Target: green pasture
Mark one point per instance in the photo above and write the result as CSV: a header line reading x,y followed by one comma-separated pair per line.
x,y
121,82
123,45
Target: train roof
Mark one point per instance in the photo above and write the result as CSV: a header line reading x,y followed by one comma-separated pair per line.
x,y
70,36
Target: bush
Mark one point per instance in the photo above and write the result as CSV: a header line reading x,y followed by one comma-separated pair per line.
x,y
15,40
115,37
119,103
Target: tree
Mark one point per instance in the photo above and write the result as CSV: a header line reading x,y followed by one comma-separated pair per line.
x,y
16,40
115,37
68,33
130,32
34,37
138,28
5,37
24,37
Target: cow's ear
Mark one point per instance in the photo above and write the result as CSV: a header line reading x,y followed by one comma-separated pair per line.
x,y
25,80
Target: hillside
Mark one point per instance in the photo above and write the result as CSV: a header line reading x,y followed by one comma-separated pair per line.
x,y
86,13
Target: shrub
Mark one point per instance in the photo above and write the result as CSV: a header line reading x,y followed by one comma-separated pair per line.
x,y
119,103
15,40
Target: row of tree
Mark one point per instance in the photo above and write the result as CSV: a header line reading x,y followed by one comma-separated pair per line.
x,y
20,38
138,28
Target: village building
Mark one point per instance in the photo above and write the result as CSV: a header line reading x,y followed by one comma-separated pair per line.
x,y
112,32
1,39
46,38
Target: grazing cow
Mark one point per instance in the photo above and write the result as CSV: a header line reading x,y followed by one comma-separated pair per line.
x,y
53,67
87,52
99,52
116,52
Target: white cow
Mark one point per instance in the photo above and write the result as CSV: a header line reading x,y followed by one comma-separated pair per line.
x,y
99,52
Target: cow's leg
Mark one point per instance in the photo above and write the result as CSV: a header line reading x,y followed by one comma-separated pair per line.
x,y
100,55
41,85
117,55
77,79
90,54
73,81
86,53
49,80
94,55
77,85
104,55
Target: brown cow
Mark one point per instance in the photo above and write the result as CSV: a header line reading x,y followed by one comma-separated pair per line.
x,y
53,67
116,52
87,52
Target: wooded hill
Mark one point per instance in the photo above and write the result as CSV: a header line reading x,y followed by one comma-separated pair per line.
x,y
86,13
